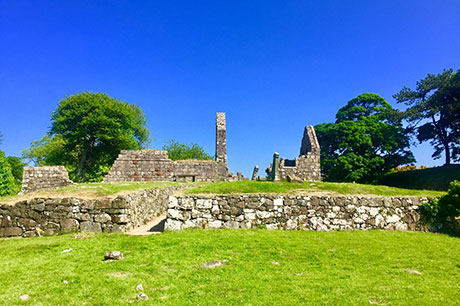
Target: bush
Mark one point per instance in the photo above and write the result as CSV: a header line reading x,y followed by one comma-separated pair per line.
x,y
436,211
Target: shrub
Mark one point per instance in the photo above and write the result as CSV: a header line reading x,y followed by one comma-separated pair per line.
x,y
436,211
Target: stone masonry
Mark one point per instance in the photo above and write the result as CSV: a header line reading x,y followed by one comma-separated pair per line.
x,y
39,178
321,213
55,215
154,165
306,167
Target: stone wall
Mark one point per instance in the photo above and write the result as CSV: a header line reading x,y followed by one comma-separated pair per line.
x,y
53,215
39,178
154,165
321,213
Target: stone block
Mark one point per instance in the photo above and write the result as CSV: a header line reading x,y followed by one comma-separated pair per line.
x,y
90,227
68,225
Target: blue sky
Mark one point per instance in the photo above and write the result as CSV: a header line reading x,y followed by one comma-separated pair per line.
x,y
272,66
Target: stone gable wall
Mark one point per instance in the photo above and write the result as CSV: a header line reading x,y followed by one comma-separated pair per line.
x,y
53,215
40,178
321,213
306,167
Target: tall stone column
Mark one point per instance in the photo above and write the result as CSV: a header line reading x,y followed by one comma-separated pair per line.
x,y
275,173
221,139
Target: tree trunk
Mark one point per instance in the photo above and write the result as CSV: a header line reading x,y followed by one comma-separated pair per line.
x,y
80,171
443,138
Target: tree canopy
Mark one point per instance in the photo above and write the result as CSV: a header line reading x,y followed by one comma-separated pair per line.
x,y
180,151
366,140
87,132
434,112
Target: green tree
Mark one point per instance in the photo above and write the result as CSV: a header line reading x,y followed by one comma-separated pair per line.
x,y
17,167
366,141
180,151
7,183
434,112
87,132
48,151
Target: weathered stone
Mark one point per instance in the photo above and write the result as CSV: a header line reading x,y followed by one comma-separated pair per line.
x,y
12,231
142,297
203,203
122,218
90,227
102,218
113,255
69,225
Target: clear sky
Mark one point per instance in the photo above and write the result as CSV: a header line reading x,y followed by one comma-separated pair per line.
x,y
272,66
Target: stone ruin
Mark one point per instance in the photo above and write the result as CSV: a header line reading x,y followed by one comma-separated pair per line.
x,y
306,167
39,178
154,165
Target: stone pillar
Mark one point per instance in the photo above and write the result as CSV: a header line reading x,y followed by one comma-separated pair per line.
x,y
221,139
275,173
254,173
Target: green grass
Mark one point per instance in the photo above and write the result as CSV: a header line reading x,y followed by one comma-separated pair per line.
x,y
312,187
437,178
315,268
90,190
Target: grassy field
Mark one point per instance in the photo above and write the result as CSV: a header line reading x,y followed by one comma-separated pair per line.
x,y
263,268
92,190
308,187
437,178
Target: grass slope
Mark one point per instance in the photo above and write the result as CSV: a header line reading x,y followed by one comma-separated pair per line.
x,y
437,178
262,268
308,187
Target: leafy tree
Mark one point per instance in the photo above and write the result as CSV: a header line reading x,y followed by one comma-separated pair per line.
x,y
87,132
17,166
434,112
7,183
180,151
48,151
366,141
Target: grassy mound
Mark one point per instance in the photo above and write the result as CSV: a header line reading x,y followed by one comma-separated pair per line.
x,y
91,190
437,178
262,268
308,187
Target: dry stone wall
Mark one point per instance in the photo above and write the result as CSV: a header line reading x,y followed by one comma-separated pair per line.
x,y
53,215
154,165
321,213
39,178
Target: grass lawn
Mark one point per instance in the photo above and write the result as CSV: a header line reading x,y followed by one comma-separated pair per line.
x,y
91,190
309,187
263,267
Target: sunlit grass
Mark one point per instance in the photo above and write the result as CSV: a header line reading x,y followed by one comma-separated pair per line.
x,y
263,268
306,187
